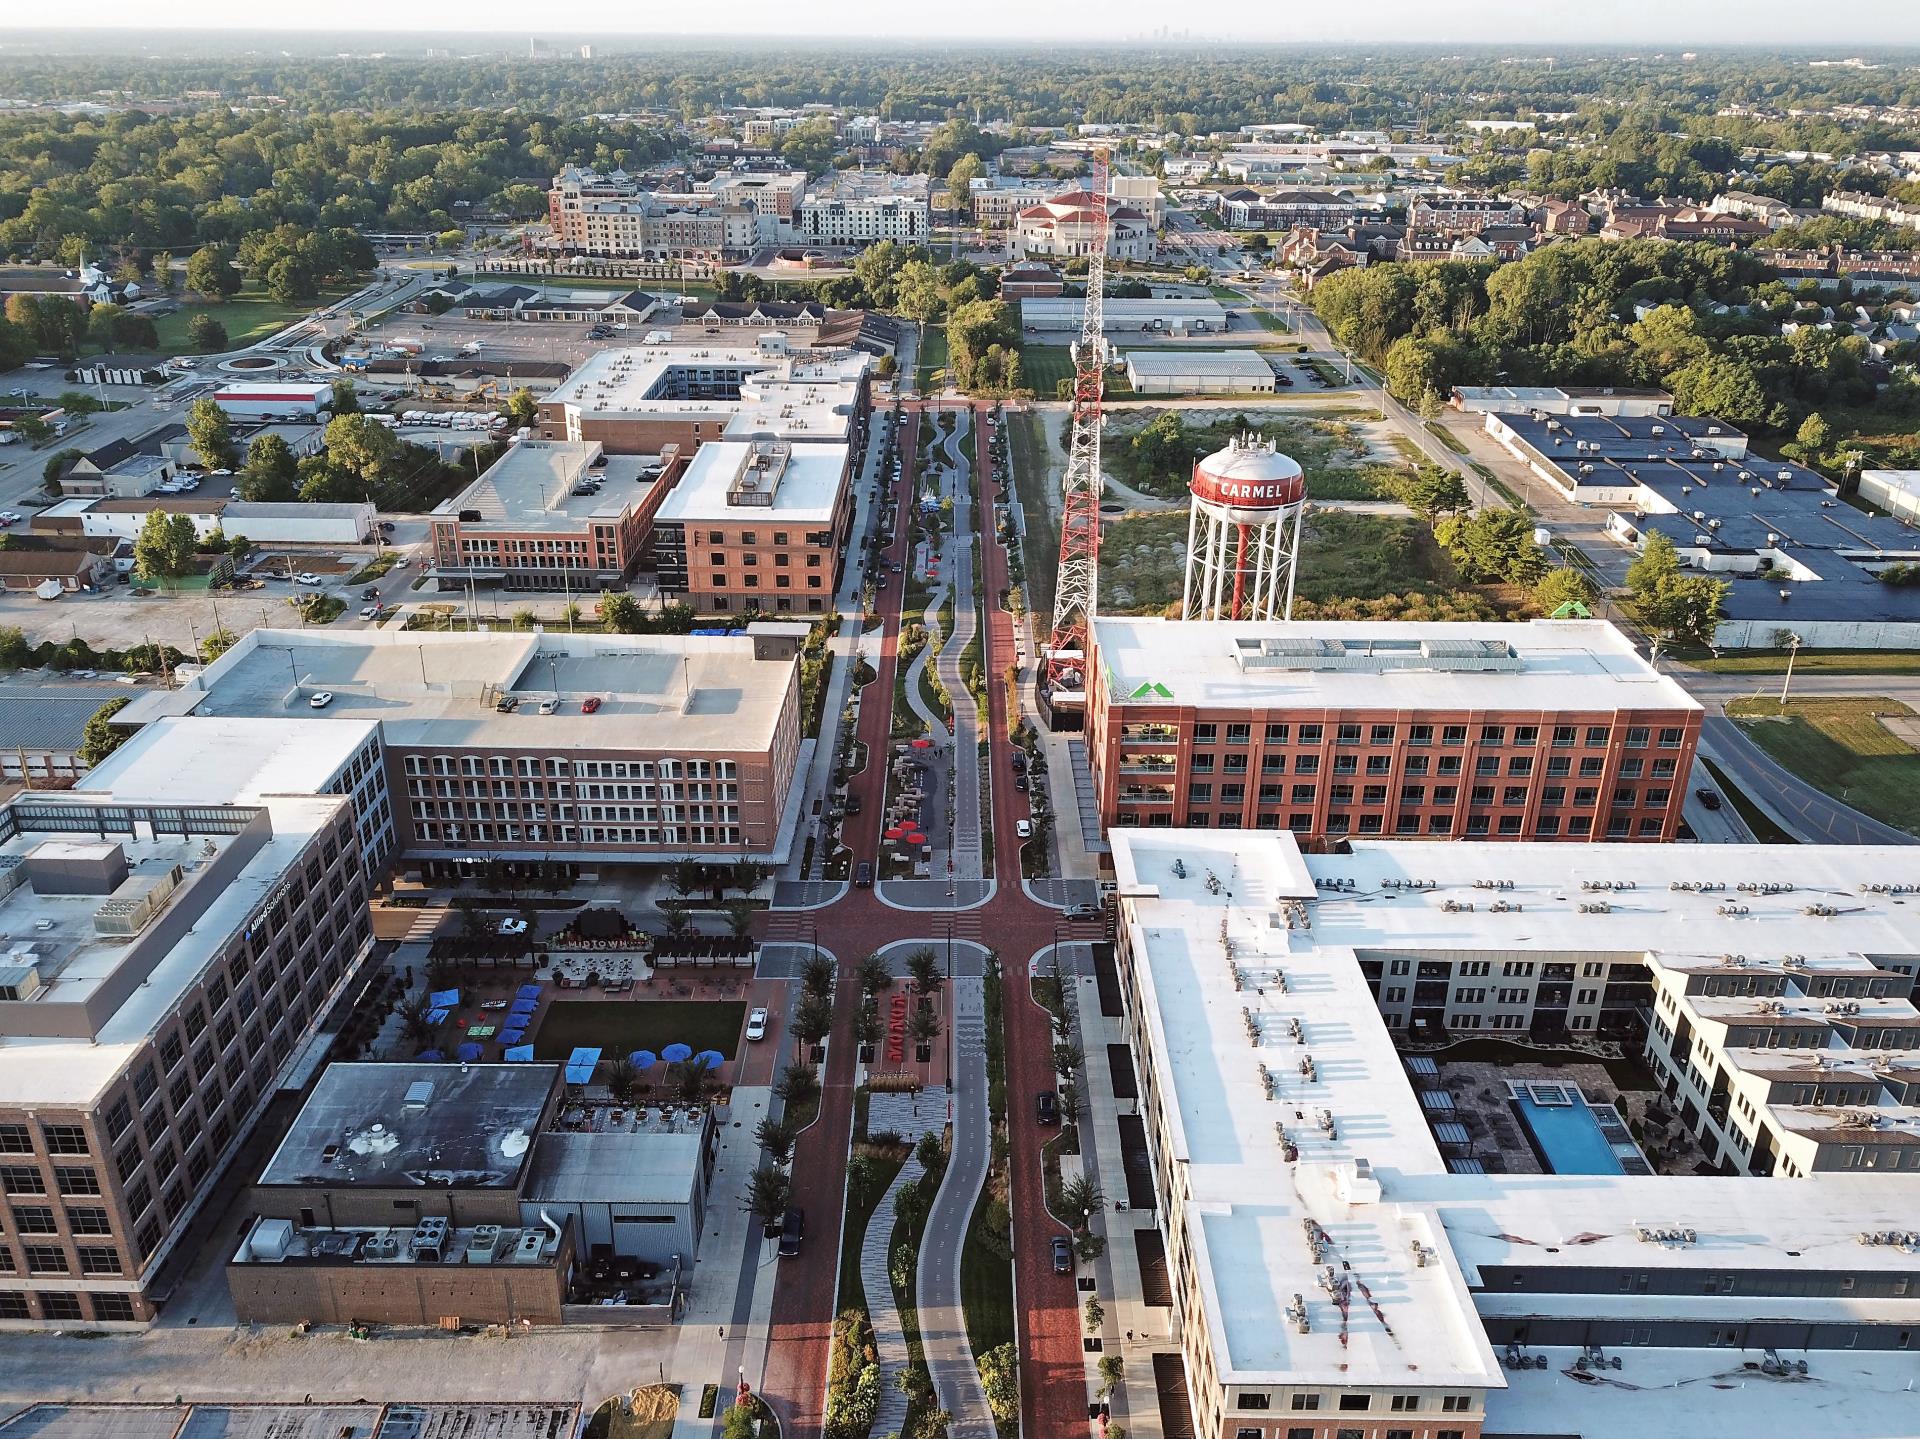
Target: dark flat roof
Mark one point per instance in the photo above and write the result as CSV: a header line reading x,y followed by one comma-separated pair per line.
x,y
473,1128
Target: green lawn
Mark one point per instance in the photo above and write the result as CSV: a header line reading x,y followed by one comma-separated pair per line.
x,y
853,1291
1833,662
1043,367
620,1026
986,1285
933,359
1027,443
1839,746
251,315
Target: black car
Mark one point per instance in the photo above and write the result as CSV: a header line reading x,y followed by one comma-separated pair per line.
x,y
1048,1107
863,875
1062,1255
853,804
792,1227
1709,799
1019,762
1020,783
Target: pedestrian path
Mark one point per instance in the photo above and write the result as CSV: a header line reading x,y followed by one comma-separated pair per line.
x,y
943,1325
968,861
910,1116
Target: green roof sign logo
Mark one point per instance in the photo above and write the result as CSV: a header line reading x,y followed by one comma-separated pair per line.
x,y
1151,689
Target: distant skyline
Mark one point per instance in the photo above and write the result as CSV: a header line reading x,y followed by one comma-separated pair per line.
x,y
1838,30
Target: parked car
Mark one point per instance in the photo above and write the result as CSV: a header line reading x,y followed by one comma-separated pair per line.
x,y
321,700
863,875
853,804
547,707
1062,1255
370,612
307,577
589,704
510,925
1020,783
1019,762
1081,911
371,592
1048,1106
1023,828
792,1228
1709,799
507,704
757,1025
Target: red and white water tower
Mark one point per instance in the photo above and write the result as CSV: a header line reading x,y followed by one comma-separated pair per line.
x,y
1243,533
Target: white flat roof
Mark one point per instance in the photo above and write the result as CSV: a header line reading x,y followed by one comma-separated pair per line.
x,y
531,487
809,486
1403,1323
1364,665
1248,936
1199,362
668,380
795,411
683,693
227,760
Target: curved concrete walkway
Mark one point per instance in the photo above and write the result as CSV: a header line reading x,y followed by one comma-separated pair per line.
x,y
961,549
943,1324
909,1116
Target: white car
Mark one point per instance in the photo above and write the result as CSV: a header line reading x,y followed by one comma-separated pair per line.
x,y
321,700
9,517
307,577
757,1025
513,926
1023,828
370,612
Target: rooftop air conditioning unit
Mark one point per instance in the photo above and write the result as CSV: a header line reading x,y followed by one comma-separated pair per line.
x,y
484,1244
531,1248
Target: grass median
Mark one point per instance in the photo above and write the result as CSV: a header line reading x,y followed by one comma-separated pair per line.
x,y
1858,750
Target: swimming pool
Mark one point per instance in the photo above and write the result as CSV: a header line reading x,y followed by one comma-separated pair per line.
x,y
1566,1134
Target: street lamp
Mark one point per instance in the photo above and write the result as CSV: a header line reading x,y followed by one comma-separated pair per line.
x,y
1793,650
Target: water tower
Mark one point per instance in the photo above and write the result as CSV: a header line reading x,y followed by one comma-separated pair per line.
x,y
1243,533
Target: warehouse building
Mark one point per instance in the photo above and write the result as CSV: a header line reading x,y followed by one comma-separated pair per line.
x,y
1331,1273
1199,372
1126,317
1548,730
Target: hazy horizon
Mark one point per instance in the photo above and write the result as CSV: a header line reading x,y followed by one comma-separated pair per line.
x,y
1626,24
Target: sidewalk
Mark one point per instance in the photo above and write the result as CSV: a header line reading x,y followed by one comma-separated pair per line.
x,y
909,1116
943,1326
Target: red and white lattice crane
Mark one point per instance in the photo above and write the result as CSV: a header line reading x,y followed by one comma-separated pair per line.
x,y
1076,588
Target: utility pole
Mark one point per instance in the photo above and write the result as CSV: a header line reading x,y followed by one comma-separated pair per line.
x,y
1793,650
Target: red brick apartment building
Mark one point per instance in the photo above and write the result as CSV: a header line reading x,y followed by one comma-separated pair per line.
x,y
1549,730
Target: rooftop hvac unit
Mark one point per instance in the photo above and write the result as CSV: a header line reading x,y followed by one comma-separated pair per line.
x,y
429,1240
132,908
531,1248
382,1246
20,981
484,1245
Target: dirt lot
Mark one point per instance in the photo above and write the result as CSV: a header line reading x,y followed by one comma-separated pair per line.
x,y
117,618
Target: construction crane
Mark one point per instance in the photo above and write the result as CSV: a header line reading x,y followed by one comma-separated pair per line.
x,y
1076,588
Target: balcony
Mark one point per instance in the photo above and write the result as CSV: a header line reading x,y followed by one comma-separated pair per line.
x,y
1142,794
1148,734
1164,764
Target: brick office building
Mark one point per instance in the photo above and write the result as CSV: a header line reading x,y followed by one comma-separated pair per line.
x,y
1551,730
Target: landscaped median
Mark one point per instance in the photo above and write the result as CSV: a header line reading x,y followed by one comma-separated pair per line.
x,y
1862,750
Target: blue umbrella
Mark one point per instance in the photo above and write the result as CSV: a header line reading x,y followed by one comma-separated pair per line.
x,y
431,1054
709,1059
677,1053
523,1006
468,1052
643,1059
522,1055
512,1036
527,991
438,1016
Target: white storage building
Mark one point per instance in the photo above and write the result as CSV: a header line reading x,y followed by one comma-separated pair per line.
x,y
1199,372
264,401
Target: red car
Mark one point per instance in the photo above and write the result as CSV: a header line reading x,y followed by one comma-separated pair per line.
x,y
589,704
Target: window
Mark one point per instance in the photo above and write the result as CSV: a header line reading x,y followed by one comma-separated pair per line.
x,y
119,1117
21,1179
1250,1399
99,1259
45,1258
1239,733
59,1306
1277,734
34,1219
1304,1402
1312,733
14,1139
108,1308
1205,733
13,1305
1455,1403
76,1179
1454,734
1420,734
1493,734
1380,734
89,1221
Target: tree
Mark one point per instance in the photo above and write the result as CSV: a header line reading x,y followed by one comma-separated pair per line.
x,y
238,548
100,739
269,471
210,272
923,1025
768,1192
290,282
1094,1315
1000,1379
686,876
1112,1370
56,466
740,913
620,614
356,444
1657,563
346,400
931,1151
812,1019
622,1077
874,974
1687,607
1080,1196
924,966
523,408
1429,491
739,1423
1066,1058
215,644
165,546
917,292
746,875
863,1173
816,975
968,168
1490,545
211,434
1563,586
798,1083
776,1136
101,322
206,334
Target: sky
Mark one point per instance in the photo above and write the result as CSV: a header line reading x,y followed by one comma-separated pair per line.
x,y
1836,28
